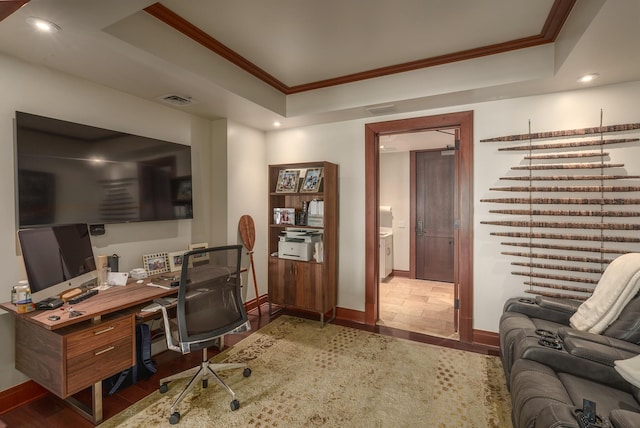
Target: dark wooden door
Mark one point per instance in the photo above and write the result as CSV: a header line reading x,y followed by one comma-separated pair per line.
x,y
434,227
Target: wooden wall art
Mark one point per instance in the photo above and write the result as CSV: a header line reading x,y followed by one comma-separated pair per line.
x,y
601,218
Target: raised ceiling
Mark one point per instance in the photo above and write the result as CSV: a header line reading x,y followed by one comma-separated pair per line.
x,y
305,62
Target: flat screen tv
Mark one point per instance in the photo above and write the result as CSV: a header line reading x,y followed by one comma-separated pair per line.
x,y
72,173
57,259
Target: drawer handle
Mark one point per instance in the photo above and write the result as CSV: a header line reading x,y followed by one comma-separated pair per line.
x,y
110,348
95,333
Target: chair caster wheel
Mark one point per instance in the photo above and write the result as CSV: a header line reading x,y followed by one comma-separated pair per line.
x,y
235,405
205,383
246,372
175,418
163,388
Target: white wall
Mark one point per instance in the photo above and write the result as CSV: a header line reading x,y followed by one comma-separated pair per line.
x,y
47,93
395,192
247,194
343,143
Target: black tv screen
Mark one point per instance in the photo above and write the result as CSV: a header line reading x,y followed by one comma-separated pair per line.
x,y
73,173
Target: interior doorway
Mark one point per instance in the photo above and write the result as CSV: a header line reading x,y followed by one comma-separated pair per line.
x,y
463,210
417,197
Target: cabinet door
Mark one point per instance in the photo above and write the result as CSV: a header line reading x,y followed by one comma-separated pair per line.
x,y
304,285
296,283
276,280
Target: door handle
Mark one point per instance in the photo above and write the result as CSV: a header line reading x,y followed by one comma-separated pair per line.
x,y
420,228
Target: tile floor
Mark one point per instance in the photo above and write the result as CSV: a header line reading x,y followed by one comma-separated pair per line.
x,y
419,306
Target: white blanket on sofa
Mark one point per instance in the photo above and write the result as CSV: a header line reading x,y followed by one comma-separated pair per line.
x,y
629,369
619,283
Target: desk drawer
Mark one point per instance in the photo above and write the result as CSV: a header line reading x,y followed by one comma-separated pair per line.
x,y
99,336
90,367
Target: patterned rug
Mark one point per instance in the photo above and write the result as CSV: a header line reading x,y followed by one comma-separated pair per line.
x,y
308,376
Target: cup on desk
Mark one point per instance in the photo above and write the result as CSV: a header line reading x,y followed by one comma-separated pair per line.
x,y
102,266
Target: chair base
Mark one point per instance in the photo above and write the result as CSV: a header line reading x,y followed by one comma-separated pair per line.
x,y
202,373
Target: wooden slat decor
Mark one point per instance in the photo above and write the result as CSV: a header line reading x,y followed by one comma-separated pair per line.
x,y
601,250
569,144
573,213
566,133
558,277
613,231
565,201
567,166
568,189
565,225
598,238
557,257
569,177
558,267
568,155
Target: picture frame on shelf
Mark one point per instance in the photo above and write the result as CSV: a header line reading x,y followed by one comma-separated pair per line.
x,y
175,261
288,181
155,263
312,180
287,216
199,257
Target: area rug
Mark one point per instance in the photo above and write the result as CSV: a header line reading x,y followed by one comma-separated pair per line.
x,y
305,375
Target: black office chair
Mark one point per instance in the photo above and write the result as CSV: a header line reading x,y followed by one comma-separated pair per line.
x,y
209,306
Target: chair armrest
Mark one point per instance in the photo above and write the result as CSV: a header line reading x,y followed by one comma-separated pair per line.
x,y
546,308
167,329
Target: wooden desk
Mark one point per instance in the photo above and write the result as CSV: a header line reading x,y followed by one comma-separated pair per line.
x,y
74,353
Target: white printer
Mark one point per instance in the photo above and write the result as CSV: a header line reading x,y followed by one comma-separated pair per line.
x,y
298,244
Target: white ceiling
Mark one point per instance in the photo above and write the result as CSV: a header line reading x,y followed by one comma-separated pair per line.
x,y
117,44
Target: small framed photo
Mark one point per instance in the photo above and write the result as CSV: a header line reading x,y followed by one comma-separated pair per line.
x,y
156,263
312,179
288,181
287,216
199,257
175,261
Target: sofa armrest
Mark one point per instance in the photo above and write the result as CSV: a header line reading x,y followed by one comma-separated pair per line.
x,y
568,306
624,418
564,416
567,333
546,308
597,352
585,359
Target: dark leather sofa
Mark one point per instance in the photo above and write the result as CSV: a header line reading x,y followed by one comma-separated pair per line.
x,y
551,367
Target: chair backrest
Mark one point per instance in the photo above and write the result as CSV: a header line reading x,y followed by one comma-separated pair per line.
x,y
209,296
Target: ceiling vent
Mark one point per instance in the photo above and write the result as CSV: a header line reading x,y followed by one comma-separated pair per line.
x,y
176,100
380,110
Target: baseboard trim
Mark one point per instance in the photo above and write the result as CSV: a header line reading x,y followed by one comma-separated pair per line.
x,y
487,338
20,395
401,273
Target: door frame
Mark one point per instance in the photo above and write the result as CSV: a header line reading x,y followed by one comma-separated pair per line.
x,y
464,192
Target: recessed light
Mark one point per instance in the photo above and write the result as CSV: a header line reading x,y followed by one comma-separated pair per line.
x,y
43,25
276,124
588,77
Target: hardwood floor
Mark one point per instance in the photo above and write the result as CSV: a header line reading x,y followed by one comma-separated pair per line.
x,y
419,306
50,411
